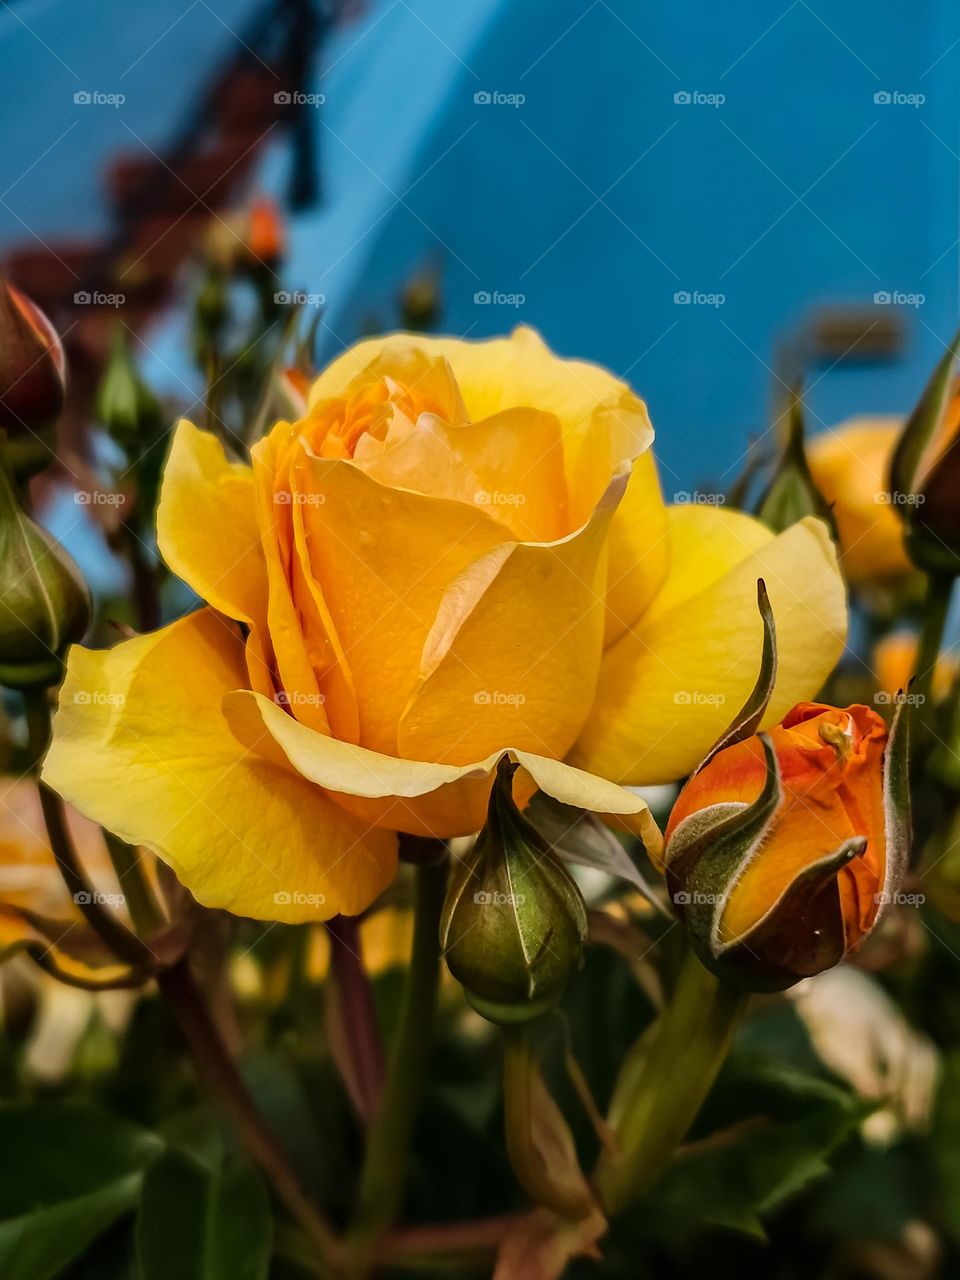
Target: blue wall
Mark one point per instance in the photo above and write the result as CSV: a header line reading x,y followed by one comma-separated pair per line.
x,y
600,197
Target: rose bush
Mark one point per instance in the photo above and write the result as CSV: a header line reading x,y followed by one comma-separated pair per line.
x,y
460,549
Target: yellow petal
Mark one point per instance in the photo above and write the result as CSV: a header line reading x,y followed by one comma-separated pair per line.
x,y
207,525
603,424
141,745
207,533
383,559
672,683
519,663
412,795
639,549
297,666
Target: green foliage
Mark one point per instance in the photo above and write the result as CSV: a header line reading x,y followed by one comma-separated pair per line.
x,y
198,1223
68,1173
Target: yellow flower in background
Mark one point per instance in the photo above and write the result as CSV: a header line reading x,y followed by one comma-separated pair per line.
x,y
444,559
37,914
894,661
851,468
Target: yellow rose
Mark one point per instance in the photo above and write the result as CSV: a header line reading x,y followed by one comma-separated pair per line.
x,y
420,574
851,468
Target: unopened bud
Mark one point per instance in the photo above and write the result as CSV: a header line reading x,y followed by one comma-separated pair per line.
x,y
784,849
792,493
514,922
125,404
44,602
33,381
925,472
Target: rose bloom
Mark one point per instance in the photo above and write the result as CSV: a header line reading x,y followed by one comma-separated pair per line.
x,y
851,468
460,549
792,902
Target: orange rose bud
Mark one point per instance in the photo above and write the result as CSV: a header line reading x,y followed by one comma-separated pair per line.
x,y
783,849
33,373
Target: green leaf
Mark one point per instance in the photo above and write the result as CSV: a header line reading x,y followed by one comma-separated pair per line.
x,y
198,1225
747,720
68,1173
779,1127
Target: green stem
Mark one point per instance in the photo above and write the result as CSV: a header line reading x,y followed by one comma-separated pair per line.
x,y
388,1144
124,944
219,1072
936,608
539,1144
657,1103
141,903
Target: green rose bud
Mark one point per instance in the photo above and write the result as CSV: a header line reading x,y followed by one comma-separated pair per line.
x,y
125,404
792,493
44,602
514,922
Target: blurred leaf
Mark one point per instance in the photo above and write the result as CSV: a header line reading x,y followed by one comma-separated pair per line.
x,y
198,1225
69,1172
780,1127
